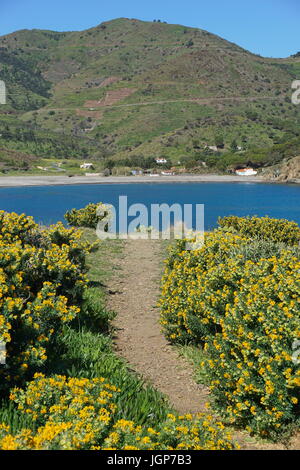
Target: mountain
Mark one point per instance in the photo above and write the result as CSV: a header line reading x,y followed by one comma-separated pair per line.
x,y
128,90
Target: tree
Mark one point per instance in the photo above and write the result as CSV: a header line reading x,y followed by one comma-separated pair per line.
x,y
234,146
251,114
106,172
219,141
190,43
190,164
110,164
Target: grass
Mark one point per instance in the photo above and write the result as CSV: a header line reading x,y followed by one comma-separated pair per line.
x,y
101,264
195,355
11,416
89,354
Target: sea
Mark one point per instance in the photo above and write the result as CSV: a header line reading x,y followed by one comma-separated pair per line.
x,y
48,204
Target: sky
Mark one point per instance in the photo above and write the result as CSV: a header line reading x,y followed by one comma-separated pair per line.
x,y
266,27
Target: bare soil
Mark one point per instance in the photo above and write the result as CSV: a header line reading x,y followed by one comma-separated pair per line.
x,y
92,114
138,336
109,81
112,97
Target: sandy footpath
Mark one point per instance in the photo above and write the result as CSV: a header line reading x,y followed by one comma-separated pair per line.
x,y
138,336
10,181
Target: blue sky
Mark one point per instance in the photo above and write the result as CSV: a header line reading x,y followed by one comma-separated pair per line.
x,y
267,27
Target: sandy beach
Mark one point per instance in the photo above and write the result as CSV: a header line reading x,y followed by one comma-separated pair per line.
x,y
13,181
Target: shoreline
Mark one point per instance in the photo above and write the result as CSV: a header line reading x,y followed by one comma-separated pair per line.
x,y
48,180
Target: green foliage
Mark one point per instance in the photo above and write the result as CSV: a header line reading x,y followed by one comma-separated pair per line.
x,y
251,114
219,141
93,313
26,87
34,141
136,161
88,216
14,418
86,353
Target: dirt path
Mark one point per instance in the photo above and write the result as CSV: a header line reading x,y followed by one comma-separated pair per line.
x,y
203,101
138,336
133,295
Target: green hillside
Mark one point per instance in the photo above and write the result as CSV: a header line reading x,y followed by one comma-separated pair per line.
x,y
129,89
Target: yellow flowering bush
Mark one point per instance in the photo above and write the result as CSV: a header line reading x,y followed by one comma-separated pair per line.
x,y
15,227
191,284
69,413
244,308
78,413
200,432
31,329
253,378
42,284
87,216
277,230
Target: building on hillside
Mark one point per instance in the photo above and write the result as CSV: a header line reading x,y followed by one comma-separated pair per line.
x,y
160,161
214,148
246,172
87,166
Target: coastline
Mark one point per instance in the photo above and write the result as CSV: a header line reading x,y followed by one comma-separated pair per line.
x,y
48,180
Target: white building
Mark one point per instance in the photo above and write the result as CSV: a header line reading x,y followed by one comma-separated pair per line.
x,y
86,166
160,160
246,172
212,147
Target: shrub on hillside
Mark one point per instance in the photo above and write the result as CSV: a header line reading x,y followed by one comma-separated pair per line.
x,y
42,285
276,230
87,216
191,284
242,303
253,378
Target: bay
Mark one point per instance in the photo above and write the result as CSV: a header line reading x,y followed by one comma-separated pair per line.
x,y
48,204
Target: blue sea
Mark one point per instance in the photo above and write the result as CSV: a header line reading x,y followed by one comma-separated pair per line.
x,y
48,204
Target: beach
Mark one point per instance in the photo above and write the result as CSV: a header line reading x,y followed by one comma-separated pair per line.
x,y
56,180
